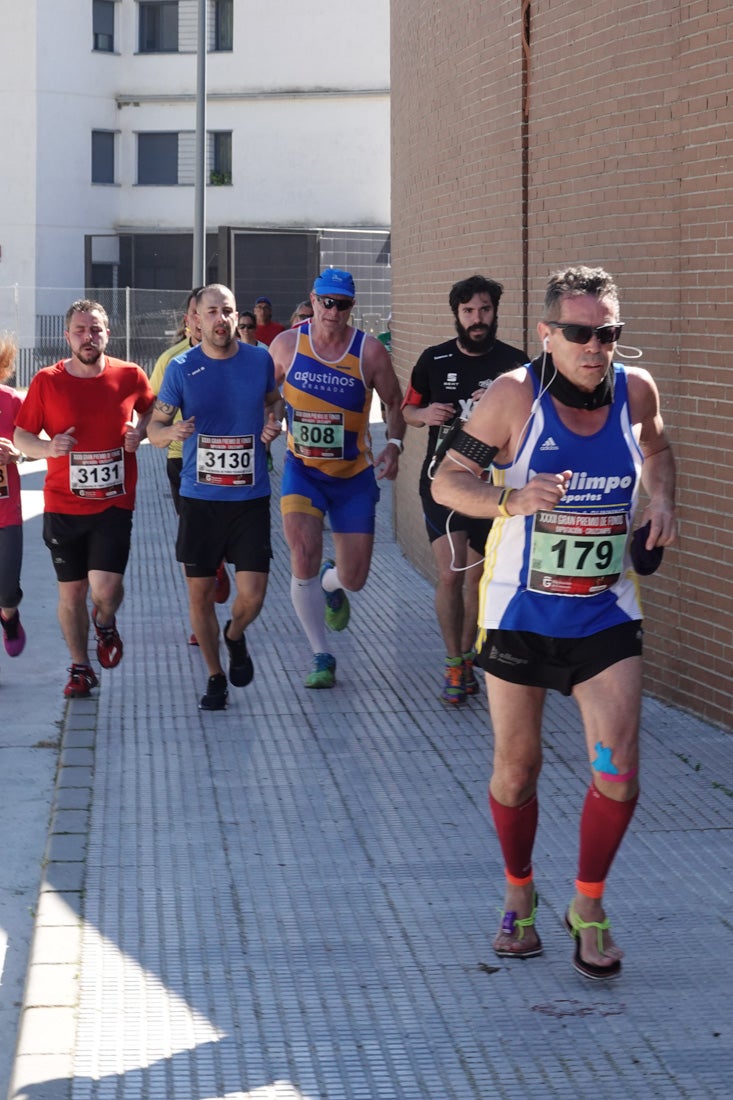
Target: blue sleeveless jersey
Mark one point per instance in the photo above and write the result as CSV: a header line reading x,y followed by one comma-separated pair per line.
x,y
567,573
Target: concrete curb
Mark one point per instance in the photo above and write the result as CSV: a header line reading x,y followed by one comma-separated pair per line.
x,y
44,1055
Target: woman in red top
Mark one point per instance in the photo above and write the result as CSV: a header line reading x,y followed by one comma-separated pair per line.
x,y
11,519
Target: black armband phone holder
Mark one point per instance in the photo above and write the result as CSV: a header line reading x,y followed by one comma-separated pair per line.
x,y
465,444
472,448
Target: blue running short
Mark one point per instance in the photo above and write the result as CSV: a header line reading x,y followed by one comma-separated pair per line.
x,y
349,502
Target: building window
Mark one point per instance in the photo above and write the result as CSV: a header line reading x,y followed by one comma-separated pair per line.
x,y
223,24
158,26
157,158
103,156
103,25
220,153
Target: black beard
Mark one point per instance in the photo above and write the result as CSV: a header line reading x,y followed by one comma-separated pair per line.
x,y
477,346
93,355
566,392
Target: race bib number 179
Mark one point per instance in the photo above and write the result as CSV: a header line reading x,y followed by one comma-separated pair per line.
x,y
576,554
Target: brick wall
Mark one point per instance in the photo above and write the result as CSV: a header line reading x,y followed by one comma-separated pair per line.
x,y
624,161
456,209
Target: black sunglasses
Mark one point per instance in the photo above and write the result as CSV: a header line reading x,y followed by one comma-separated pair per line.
x,y
304,316
245,325
581,334
338,303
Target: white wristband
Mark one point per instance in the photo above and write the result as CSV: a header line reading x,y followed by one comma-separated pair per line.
x,y
398,444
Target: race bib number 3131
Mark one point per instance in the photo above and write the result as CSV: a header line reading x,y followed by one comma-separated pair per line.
x,y
576,555
97,475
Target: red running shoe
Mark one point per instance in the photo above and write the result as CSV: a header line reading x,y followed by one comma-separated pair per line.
x,y
223,586
81,682
109,643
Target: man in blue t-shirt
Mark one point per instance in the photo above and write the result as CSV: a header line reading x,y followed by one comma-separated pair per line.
x,y
230,408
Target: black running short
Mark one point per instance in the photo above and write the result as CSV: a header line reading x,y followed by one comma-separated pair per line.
x,y
81,543
212,531
556,663
435,515
173,469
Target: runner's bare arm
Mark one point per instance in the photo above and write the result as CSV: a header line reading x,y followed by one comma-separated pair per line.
x,y
36,447
658,474
274,412
496,424
282,349
136,430
379,375
162,431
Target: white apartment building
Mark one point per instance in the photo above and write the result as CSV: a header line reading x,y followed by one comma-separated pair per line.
x,y
98,119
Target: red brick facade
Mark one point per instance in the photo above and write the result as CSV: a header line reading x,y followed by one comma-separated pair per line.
x,y
530,136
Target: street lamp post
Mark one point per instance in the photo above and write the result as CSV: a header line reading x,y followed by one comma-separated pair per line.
x,y
199,222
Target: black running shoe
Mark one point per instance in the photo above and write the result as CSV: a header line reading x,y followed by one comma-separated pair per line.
x,y
216,693
241,669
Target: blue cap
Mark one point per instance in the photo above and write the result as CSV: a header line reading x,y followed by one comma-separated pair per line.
x,y
334,281
263,301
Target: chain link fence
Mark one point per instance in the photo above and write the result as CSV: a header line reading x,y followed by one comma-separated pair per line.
x,y
143,323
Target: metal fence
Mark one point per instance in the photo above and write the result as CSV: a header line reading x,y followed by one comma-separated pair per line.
x,y
143,323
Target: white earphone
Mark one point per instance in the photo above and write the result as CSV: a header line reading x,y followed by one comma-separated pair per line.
x,y
545,342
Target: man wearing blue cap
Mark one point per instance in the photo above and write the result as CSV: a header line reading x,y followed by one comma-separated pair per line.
x,y
329,371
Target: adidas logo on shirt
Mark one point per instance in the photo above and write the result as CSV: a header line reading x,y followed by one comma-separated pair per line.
x,y
549,445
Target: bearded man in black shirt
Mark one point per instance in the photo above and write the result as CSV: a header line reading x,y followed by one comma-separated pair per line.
x,y
446,382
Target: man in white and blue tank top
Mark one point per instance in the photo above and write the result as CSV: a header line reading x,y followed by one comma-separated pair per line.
x,y
569,439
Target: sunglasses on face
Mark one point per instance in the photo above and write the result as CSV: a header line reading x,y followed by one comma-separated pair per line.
x,y
335,303
304,316
581,334
246,326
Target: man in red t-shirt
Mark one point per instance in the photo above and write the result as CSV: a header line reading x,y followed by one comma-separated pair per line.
x,y
267,329
85,405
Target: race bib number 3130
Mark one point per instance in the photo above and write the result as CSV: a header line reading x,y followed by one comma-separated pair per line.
x,y
227,460
576,555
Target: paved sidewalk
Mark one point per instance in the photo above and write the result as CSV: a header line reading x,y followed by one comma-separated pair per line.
x,y
295,899
30,735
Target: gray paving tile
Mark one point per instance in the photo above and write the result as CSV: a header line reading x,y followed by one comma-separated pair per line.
x,y
295,899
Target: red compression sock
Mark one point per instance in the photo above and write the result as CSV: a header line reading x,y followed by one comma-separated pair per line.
x,y
516,827
602,827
